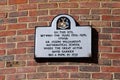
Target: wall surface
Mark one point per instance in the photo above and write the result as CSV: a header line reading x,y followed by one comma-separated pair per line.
x,y
18,19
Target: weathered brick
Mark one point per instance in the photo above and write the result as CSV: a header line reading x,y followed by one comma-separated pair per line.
x,y
33,63
3,15
68,68
38,13
26,70
2,27
7,58
89,68
1,21
2,64
90,17
16,51
102,76
68,5
30,50
45,18
31,37
37,1
16,77
110,18
47,69
110,69
25,57
26,31
116,62
106,62
116,24
18,14
79,11
15,64
8,8
58,75
117,75
105,36
16,26
27,6
111,30
25,44
58,0
37,76
100,11
17,1
9,45
105,49
16,38
8,71
11,20
27,19
2,40
89,4
33,25
79,75
47,5
58,11
3,2
110,56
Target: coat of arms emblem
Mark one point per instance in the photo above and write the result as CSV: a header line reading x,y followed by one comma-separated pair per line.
x,y
63,23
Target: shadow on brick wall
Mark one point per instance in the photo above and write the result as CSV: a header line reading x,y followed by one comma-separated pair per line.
x,y
92,59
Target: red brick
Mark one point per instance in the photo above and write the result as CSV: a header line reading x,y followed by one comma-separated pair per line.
x,y
116,11
110,56
2,52
111,43
80,75
2,77
89,4
16,51
33,63
105,49
37,1
17,1
15,64
45,18
3,2
38,13
47,5
33,25
8,71
16,38
102,76
47,69
116,49
110,18
27,6
16,77
27,19
58,0
116,36
2,64
110,69
7,33
18,14
68,5
58,75
106,5
2,27
58,11
105,62
26,69
25,44
24,32
105,36
37,76
68,68
79,11
100,11
10,45
16,26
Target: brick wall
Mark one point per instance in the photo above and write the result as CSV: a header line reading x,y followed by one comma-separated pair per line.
x,y
18,19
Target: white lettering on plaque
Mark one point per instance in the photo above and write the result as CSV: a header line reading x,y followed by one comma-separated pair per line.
x,y
63,39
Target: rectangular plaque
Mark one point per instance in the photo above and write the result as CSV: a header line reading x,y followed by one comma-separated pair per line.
x,y
63,39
